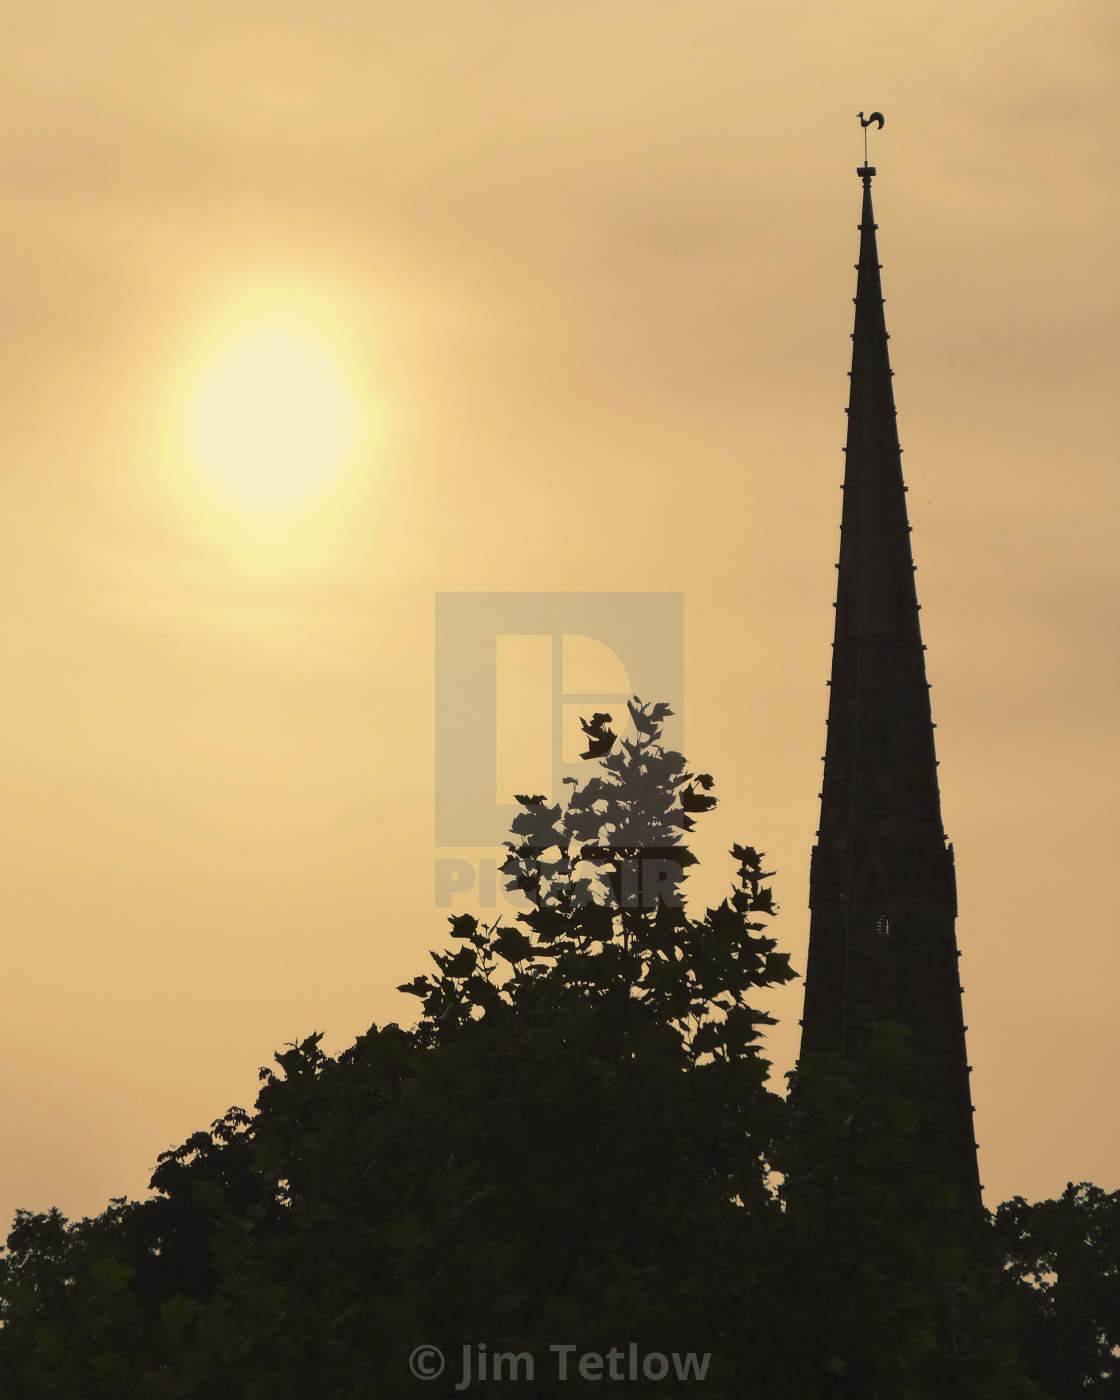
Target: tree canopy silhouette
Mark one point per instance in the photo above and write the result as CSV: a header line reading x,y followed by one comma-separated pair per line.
x,y
577,1142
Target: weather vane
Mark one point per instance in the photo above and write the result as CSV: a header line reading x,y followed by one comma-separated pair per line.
x,y
865,122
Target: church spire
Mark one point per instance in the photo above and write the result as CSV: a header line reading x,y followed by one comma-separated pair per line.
x,y
882,944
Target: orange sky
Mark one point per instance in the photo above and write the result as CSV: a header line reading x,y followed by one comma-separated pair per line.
x,y
590,267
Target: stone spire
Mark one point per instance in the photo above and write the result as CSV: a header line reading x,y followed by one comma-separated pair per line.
x,y
882,890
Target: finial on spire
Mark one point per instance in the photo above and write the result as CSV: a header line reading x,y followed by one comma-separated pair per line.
x,y
868,170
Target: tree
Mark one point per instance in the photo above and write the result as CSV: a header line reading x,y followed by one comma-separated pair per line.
x,y
1064,1258
902,1288
567,1143
576,1142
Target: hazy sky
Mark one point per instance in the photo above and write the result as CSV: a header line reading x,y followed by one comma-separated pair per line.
x,y
587,268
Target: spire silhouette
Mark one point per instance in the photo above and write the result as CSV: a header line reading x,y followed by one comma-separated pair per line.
x,y
882,942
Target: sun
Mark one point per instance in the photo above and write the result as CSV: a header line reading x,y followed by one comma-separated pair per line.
x,y
272,420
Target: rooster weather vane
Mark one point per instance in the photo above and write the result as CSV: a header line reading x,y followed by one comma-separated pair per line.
x,y
865,122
